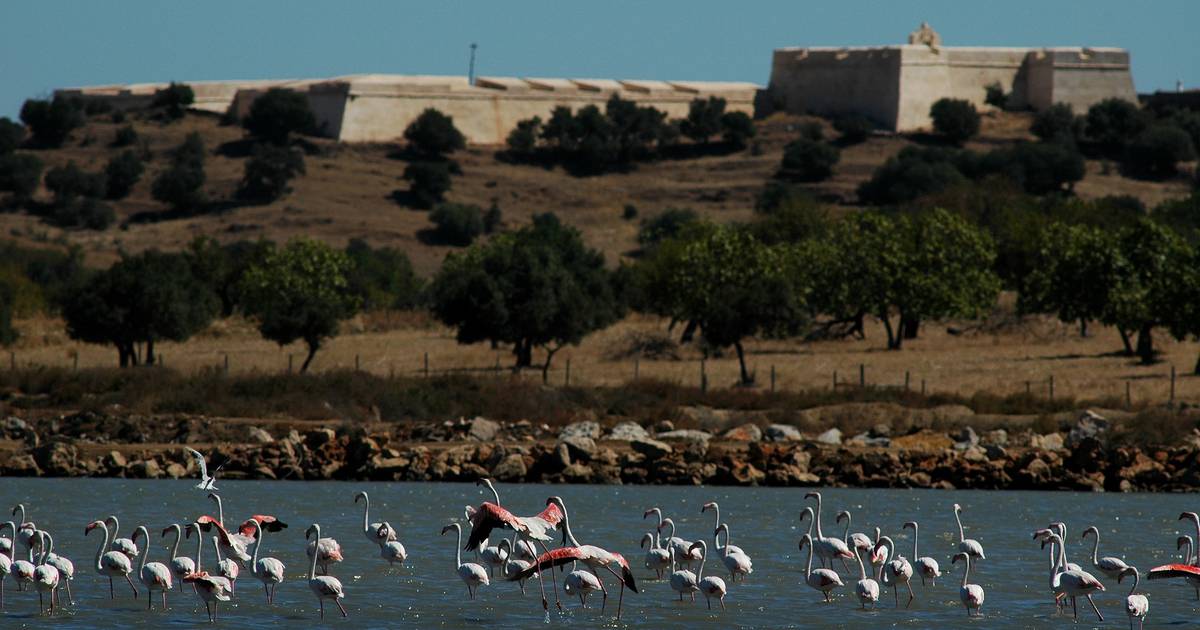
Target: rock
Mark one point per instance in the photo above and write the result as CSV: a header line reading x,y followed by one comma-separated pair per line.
x,y
262,471
115,461
881,429
577,473
999,437
995,452
964,438
627,432
558,459
1037,470
56,458
1089,425
511,468
744,433
148,469
483,430
746,474
175,470
652,449
662,426
319,437
832,436
783,433
689,435
581,448
21,466
1048,442
975,454
865,440
259,436
588,429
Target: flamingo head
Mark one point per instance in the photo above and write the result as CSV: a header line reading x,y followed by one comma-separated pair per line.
x,y
449,527
699,545
1041,534
556,500
207,522
957,508
958,555
312,529
806,512
842,515
1090,530
385,527
707,506
167,530
909,525
877,553
721,528
664,523
1181,541
1190,515
214,497
1125,572
652,510
93,525
805,540
646,537
847,554
812,495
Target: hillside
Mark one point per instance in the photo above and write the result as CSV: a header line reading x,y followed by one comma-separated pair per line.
x,y
347,191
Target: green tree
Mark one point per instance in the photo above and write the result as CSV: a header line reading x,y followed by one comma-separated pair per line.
x,y
174,99
854,129
522,140
1073,273
278,114
667,224
20,174
912,173
181,185
808,160
11,136
1157,151
1057,123
433,135
955,119
539,286
383,278
704,119
268,173
1142,298
221,267
1039,168
1113,123
300,292
787,214
428,182
457,223
51,122
737,128
122,173
140,299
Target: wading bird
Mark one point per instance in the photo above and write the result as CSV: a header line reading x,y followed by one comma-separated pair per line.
x,y
111,563
154,576
374,532
268,570
1073,583
206,482
180,565
323,586
867,588
657,558
823,580
717,525
1111,567
392,550
473,575
66,568
1137,606
925,567
738,564
124,545
582,583
45,575
827,548
971,595
969,546
711,586
212,589
533,529
895,570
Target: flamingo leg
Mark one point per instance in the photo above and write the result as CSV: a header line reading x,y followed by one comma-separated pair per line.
x,y
128,579
553,582
40,602
164,599
341,608
208,611
603,589
1076,607
322,602
1093,603
149,598
911,594
111,593
70,597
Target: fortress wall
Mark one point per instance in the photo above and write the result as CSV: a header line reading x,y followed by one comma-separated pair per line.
x,y
928,74
1079,76
864,81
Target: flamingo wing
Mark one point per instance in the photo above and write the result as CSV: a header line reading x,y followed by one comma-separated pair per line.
x,y
554,558
1174,570
488,517
551,515
199,457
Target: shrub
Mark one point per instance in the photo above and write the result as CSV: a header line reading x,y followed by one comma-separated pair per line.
x,y
812,130
955,119
428,182
1113,123
433,134
994,95
1057,123
1156,151
704,119
11,135
268,172
1186,119
51,122
787,214
125,136
522,140
457,224
174,100
665,225
737,128
493,218
630,212
91,214
181,185
69,183
122,172
913,173
808,160
276,115
383,278
20,174
853,128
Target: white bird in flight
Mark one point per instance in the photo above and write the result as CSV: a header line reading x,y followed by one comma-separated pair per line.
x,y
206,482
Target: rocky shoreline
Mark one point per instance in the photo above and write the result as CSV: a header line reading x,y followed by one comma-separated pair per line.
x,y
1079,457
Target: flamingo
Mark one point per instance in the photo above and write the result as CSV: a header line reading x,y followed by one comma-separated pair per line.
x,y
738,564
323,586
1061,528
22,570
6,561
111,563
268,570
926,567
971,595
867,588
827,548
683,581
374,532
1185,569
227,568
180,565
470,573
326,550
857,540
717,525
823,580
657,558
969,546
529,528
66,568
1111,567
24,532
155,576
494,557
233,544
680,549
711,586
1136,606
1193,556
582,582
212,589
124,545
894,570
1072,583
392,550
45,575
516,561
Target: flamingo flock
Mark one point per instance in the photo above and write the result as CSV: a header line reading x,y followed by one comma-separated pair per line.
x,y
549,543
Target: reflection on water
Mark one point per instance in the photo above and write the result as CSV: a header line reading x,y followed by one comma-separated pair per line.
x,y
764,522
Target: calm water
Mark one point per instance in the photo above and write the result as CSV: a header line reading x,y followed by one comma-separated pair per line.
x,y
426,592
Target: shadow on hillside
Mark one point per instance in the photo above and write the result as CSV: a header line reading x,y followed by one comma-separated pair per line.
x,y
211,208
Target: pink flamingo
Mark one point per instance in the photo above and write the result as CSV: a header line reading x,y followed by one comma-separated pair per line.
x,y
823,580
711,586
377,533
1136,606
155,576
45,575
971,595
473,575
124,545
1072,583
532,529
323,586
180,565
268,570
111,563
6,561
212,589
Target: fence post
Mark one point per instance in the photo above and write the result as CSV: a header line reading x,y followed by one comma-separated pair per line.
x,y
567,377
922,387
356,363
1128,396
1028,389
906,377
835,380
1051,387
227,364
1172,384
703,377
289,363
426,365
862,375
636,367
772,378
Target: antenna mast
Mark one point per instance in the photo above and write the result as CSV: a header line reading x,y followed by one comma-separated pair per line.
x,y
471,67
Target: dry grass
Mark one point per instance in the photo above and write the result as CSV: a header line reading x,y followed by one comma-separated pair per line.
x,y
998,363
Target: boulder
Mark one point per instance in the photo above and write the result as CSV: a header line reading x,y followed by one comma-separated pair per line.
x,y
175,470
483,430
783,433
319,437
689,435
511,468
1089,425
580,448
964,438
998,437
56,458
1048,442
746,474
577,473
259,436
832,436
115,461
21,466
881,429
652,449
147,469
744,433
662,426
588,429
627,432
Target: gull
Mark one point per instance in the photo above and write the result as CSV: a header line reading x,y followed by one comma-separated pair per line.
x,y
206,482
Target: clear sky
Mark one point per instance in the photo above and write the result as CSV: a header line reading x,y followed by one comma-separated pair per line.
x,y
46,44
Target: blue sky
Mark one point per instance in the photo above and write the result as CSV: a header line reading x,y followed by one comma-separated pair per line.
x,y
54,43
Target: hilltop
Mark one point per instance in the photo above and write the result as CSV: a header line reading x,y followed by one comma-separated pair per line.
x,y
347,192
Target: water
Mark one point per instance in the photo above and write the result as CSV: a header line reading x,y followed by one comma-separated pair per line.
x,y
426,592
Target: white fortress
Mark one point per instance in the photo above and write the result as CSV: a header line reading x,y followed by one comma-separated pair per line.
x,y
892,85
895,85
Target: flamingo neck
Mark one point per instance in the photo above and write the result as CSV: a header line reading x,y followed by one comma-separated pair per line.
x,y
966,569
178,535
716,516
145,547
312,569
199,545
220,510
817,518
258,541
808,567
567,527
217,547
846,534
366,512
958,519
915,541
495,493
21,509
1196,548
99,552
703,557
668,521
862,569
116,526
458,547
1096,549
